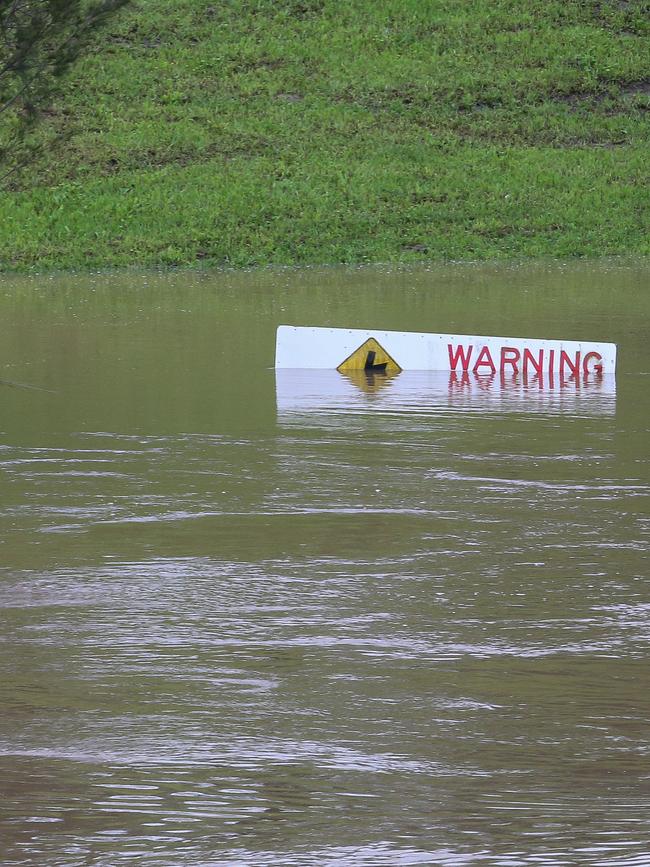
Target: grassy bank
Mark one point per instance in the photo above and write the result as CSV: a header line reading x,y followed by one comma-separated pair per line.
x,y
308,131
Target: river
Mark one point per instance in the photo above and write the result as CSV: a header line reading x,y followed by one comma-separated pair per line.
x,y
401,626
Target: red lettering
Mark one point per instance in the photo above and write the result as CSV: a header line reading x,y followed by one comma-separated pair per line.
x,y
509,355
484,360
460,353
537,365
573,367
597,368
551,359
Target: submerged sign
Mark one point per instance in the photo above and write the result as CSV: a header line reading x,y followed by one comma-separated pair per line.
x,y
347,349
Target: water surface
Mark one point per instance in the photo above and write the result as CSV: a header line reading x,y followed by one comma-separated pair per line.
x,y
330,622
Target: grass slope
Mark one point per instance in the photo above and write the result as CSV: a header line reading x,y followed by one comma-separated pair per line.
x,y
312,131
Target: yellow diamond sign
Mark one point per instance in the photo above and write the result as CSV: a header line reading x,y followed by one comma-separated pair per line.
x,y
371,357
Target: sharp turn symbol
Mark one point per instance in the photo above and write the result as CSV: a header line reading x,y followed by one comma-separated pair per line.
x,y
370,365
370,357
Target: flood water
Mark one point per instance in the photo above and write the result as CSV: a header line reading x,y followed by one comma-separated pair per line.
x,y
246,622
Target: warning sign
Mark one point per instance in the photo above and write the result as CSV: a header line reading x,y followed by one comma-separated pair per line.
x,y
371,357
531,358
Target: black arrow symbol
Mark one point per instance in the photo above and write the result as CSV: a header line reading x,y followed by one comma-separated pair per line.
x,y
370,365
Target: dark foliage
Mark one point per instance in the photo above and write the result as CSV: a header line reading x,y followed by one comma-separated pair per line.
x,y
39,42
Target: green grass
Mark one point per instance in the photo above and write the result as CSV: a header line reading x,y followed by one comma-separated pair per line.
x,y
253,133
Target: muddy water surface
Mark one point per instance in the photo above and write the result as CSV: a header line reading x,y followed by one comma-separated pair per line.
x,y
249,622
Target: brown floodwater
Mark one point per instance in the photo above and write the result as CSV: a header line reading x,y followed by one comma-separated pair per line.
x,y
321,620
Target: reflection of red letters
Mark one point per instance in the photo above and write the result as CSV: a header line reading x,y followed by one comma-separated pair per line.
x,y
484,360
529,358
484,382
509,355
597,368
573,367
462,382
460,353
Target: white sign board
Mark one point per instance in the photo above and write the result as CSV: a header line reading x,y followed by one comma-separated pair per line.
x,y
356,348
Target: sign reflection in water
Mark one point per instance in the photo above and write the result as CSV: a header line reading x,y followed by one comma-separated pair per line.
x,y
300,391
